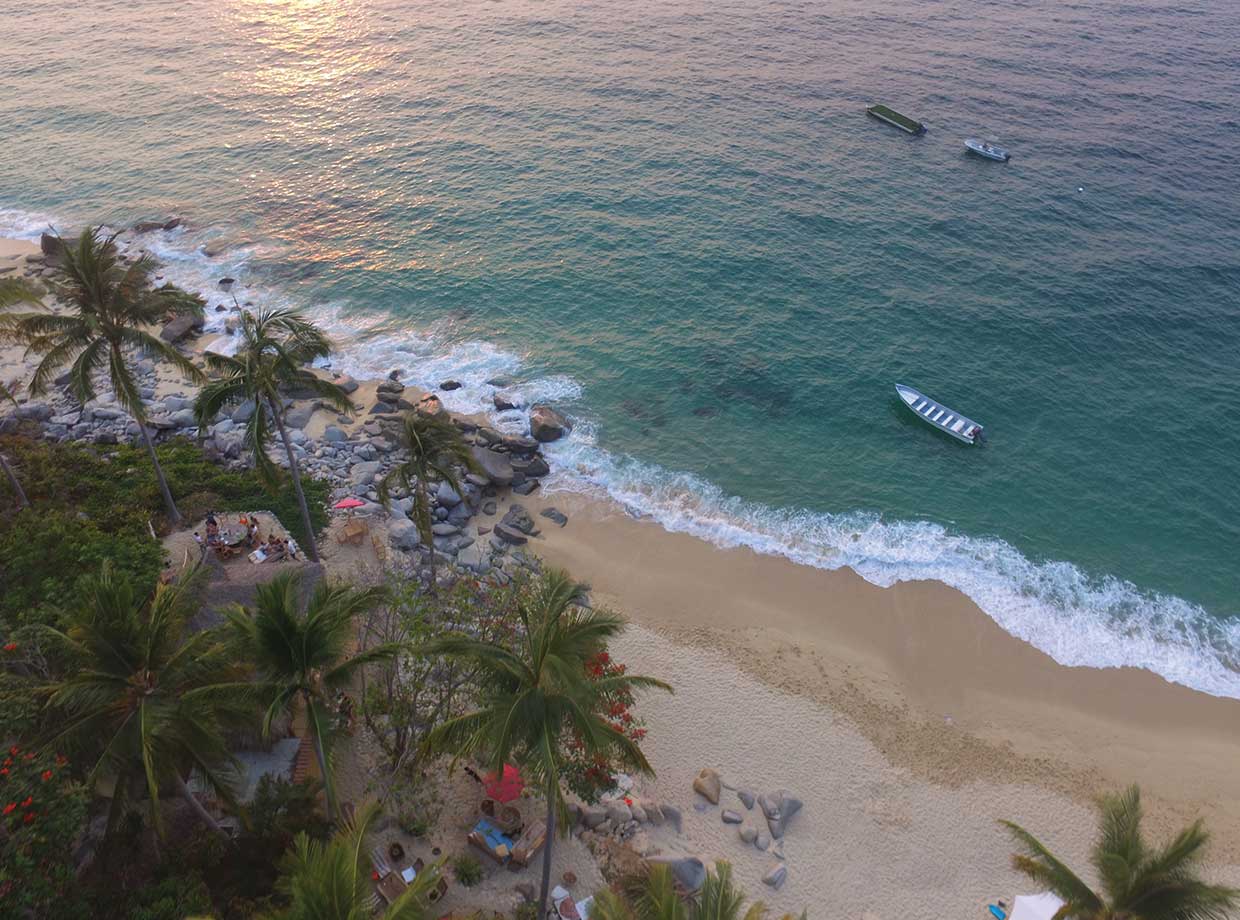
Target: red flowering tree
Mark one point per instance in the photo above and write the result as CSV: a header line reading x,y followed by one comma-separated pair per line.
x,y
42,813
590,775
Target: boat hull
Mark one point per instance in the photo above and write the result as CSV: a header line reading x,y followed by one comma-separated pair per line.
x,y
989,151
939,416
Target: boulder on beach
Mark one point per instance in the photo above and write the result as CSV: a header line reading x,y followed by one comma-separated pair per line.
x,y
548,425
708,784
510,535
430,406
345,382
518,518
779,809
496,467
747,798
776,876
731,817
747,834
689,871
53,247
179,327
504,402
403,534
449,385
554,514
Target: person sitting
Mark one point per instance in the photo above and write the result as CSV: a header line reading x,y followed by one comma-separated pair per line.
x,y
251,534
213,531
274,548
290,546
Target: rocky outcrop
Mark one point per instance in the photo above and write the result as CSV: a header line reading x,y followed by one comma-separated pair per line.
x,y
779,809
497,468
548,425
708,785
180,327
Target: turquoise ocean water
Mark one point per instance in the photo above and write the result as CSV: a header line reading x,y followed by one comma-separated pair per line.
x,y
673,220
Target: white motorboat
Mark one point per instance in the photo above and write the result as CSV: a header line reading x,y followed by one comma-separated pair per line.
x,y
988,150
938,415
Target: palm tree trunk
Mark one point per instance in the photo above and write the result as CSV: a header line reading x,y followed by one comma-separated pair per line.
x,y
22,500
199,809
546,868
425,525
312,548
174,516
320,754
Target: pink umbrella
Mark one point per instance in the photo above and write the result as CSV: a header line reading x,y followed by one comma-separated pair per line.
x,y
507,788
349,503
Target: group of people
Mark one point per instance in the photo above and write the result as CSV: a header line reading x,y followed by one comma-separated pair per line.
x,y
275,547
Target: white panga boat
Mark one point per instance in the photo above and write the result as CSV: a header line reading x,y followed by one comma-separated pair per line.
x,y
938,415
988,150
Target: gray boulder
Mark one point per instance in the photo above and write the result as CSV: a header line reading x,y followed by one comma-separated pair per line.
x,y
334,434
37,412
776,876
345,382
731,817
403,534
504,402
779,809
177,403
363,474
593,815
689,871
496,467
548,425
180,327
299,416
619,813
746,797
184,418
554,514
708,784
510,535
672,814
533,467
447,496
518,443
762,840
244,412
748,834
444,529
449,385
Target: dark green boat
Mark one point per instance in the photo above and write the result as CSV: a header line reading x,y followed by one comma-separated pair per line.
x,y
891,117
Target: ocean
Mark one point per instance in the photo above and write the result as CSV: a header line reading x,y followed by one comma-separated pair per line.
x,y
674,221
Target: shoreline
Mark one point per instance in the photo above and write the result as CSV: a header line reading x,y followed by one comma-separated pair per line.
x,y
946,698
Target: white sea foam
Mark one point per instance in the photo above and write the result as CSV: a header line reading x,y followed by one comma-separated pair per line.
x,y
1077,619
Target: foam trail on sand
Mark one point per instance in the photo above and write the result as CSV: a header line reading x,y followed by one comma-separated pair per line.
x,y
1076,618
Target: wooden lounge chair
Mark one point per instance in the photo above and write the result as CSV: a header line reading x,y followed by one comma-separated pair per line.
x,y
354,531
490,840
529,843
506,817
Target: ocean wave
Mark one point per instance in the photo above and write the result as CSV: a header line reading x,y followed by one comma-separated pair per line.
x,y
1076,618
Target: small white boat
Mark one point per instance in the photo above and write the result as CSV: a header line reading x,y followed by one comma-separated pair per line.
x,y
988,150
938,415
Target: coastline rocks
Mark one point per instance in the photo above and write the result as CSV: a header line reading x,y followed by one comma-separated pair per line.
x,y
179,327
53,248
299,416
708,784
746,797
593,815
496,467
346,383
519,443
776,876
747,834
731,817
403,534
533,467
689,871
449,385
509,535
430,406
672,814
762,840
779,809
554,514
447,496
504,402
363,474
389,391
619,813
519,519
548,425
244,412
334,435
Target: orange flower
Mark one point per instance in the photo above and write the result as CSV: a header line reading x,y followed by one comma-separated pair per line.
x,y
47,774
29,800
29,819
4,771
8,809
14,750
11,647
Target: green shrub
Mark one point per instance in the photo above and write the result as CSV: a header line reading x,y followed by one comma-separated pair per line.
x,y
467,869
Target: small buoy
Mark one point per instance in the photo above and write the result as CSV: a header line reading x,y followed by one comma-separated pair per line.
x,y
1080,188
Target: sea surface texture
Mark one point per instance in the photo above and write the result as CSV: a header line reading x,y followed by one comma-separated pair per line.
x,y
675,221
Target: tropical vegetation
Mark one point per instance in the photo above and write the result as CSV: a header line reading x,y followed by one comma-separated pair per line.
x,y
276,345
653,895
138,702
536,696
432,445
304,659
1138,881
331,880
110,307
19,493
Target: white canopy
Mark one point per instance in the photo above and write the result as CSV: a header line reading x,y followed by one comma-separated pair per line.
x,y
1035,906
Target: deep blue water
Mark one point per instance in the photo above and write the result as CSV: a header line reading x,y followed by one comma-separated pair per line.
x,y
674,220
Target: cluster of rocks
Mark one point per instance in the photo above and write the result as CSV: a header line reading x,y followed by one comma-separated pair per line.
x,y
777,810
620,819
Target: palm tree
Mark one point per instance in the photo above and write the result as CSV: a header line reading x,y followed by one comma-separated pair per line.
x,y
331,880
1138,882
139,698
110,307
6,394
653,896
276,344
433,445
537,695
306,658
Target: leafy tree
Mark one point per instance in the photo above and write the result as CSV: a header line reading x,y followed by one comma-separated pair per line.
x,y
432,445
1139,882
42,812
536,695
276,344
139,700
653,896
305,659
331,881
6,395
110,305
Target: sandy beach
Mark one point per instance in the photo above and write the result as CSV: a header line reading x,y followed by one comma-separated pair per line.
x,y
904,717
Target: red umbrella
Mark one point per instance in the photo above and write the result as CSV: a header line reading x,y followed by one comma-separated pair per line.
x,y
505,789
349,503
